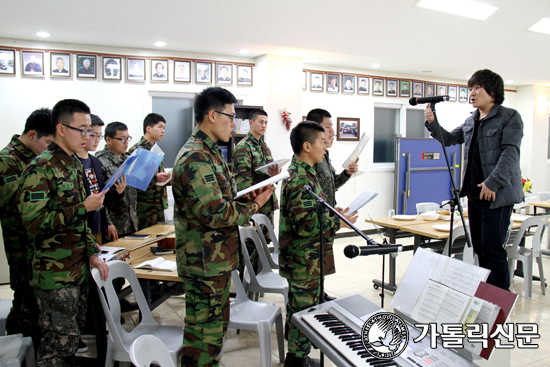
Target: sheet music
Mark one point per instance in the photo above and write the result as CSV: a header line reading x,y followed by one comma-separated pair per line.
x,y
362,200
280,162
452,308
430,301
269,181
463,277
357,151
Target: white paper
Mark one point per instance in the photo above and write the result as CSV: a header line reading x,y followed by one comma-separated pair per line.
x,y
156,149
362,200
463,277
452,308
158,264
357,151
269,181
429,304
280,162
167,181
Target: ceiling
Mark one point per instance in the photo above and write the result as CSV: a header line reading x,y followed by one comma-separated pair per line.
x,y
347,33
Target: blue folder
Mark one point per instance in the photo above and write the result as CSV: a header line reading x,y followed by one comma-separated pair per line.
x,y
139,168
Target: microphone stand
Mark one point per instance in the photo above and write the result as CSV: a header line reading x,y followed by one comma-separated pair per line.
x,y
455,200
321,208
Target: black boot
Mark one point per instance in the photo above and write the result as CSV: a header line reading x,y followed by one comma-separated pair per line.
x,y
292,361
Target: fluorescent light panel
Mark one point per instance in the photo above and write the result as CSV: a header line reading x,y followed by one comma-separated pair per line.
x,y
542,26
463,8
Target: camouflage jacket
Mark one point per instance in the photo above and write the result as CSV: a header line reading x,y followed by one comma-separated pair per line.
x,y
299,247
51,203
121,211
329,180
155,198
13,160
205,215
249,154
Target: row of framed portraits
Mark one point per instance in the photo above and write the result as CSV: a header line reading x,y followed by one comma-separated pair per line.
x,y
89,66
389,87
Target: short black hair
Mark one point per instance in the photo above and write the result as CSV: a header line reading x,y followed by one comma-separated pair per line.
x,y
304,131
211,98
318,115
256,113
96,121
39,120
491,82
159,63
151,120
63,111
113,127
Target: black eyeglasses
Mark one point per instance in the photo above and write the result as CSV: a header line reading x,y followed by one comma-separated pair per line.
x,y
82,131
123,140
232,117
96,136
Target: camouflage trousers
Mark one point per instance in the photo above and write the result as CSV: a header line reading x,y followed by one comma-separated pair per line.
x,y
23,317
206,319
62,316
149,215
301,295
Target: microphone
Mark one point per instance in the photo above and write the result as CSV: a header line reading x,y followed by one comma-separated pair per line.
x,y
414,101
352,251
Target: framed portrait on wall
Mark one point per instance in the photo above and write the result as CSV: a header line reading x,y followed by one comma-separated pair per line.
x,y
135,69
405,88
452,93
244,75
7,61
159,70
32,63
349,84
112,68
182,71
316,82
224,74
203,72
441,89
391,89
430,90
418,89
463,96
60,65
377,87
363,84
304,80
348,128
333,83
86,66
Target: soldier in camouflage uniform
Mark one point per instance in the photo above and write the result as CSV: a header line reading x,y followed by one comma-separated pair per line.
x,y
61,248
152,202
206,219
36,136
299,247
122,213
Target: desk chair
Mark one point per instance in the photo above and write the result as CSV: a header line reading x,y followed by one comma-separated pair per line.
x,y
426,207
272,257
526,255
258,316
266,281
148,349
120,341
14,349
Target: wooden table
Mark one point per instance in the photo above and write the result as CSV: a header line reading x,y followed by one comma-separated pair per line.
x,y
540,204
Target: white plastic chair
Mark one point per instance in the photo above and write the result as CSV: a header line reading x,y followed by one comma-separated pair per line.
x,y
468,254
426,207
5,308
258,316
119,341
266,281
526,255
272,257
148,349
14,349
544,195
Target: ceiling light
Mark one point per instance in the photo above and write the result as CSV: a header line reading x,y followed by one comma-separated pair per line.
x,y
42,34
426,71
244,50
375,65
463,8
160,43
542,26
509,81
313,58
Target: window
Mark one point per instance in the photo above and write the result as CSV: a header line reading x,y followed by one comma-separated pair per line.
x,y
415,124
386,128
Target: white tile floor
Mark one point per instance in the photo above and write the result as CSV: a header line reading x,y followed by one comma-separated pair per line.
x,y
354,276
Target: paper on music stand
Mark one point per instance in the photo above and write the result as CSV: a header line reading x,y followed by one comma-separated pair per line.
x,y
357,151
280,162
269,181
363,199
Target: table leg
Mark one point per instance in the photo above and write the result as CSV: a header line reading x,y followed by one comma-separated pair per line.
x,y
391,286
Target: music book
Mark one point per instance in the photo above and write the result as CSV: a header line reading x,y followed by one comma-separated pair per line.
x,y
270,181
280,162
139,168
363,199
158,264
136,236
357,151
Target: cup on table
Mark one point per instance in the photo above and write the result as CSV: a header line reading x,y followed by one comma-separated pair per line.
x,y
391,213
523,212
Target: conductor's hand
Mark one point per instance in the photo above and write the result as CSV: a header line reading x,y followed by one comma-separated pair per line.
x,y
94,201
353,168
96,262
352,217
274,170
120,185
261,195
112,233
429,114
163,177
486,193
